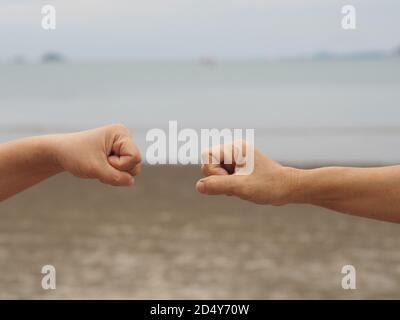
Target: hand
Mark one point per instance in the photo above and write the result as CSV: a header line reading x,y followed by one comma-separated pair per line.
x,y
268,183
107,154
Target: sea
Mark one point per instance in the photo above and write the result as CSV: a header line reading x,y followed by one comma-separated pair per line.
x,y
305,111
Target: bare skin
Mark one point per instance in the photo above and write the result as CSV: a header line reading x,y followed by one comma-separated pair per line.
x,y
366,192
107,154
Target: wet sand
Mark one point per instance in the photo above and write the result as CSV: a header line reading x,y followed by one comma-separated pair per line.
x,y
161,239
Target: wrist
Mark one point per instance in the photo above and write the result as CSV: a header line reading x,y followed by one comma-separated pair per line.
x,y
48,147
291,178
299,188
317,186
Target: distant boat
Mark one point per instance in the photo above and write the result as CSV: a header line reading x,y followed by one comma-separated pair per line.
x,y
18,60
52,57
208,62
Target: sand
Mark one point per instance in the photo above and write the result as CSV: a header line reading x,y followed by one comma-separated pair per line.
x,y
161,239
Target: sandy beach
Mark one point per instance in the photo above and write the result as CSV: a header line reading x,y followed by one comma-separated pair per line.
x,y
161,239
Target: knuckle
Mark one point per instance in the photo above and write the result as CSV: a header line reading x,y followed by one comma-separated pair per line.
x,y
119,127
205,169
136,171
240,142
116,179
137,158
204,157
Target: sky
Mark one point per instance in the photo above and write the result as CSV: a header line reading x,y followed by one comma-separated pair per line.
x,y
187,29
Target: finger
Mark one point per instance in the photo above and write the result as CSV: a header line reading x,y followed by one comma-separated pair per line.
x,y
216,185
228,154
218,154
110,175
136,170
123,163
212,169
129,148
216,160
125,154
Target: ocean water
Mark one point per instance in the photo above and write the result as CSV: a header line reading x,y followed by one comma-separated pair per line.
x,y
345,111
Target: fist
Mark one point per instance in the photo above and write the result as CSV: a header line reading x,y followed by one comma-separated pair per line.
x,y
107,154
266,182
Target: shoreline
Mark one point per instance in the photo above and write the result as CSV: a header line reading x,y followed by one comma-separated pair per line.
x,y
297,147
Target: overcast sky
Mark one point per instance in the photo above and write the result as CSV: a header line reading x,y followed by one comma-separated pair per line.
x,y
104,29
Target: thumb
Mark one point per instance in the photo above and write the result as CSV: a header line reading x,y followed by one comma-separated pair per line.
x,y
110,175
215,185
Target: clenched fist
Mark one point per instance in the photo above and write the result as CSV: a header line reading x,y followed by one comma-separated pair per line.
x,y
367,192
107,154
255,178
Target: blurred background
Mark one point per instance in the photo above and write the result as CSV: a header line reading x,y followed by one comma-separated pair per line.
x,y
315,93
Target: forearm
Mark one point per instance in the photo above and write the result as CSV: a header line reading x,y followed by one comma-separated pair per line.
x,y
24,163
368,192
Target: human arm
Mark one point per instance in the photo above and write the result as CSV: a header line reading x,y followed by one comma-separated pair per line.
x,y
367,192
107,154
